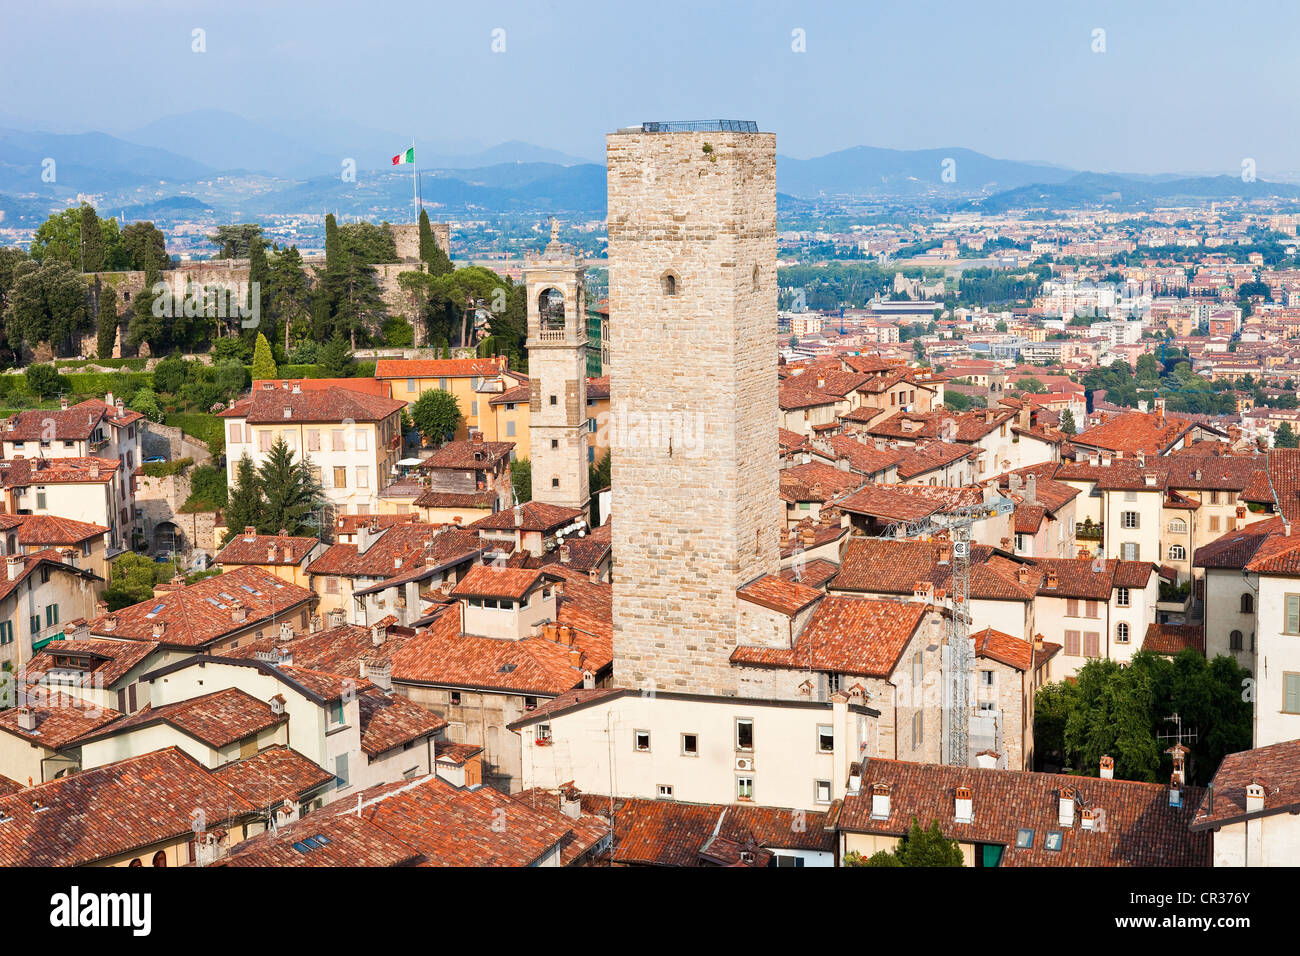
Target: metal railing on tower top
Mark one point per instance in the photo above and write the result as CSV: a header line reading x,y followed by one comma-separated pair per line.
x,y
702,126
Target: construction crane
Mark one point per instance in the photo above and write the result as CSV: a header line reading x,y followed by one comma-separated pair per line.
x,y
957,523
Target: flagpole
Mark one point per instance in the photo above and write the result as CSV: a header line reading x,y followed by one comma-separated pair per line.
x,y
415,183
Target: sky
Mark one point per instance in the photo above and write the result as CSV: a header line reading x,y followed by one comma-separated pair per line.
x,y
1184,86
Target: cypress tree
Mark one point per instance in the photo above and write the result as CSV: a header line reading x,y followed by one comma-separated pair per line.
x,y
263,362
92,240
244,506
333,249
106,336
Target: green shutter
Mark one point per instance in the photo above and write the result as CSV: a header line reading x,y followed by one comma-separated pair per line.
x,y
1293,614
1292,693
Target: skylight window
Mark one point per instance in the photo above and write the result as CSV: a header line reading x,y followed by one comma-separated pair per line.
x,y
1054,840
1025,838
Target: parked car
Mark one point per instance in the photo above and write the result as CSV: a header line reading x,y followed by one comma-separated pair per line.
x,y
157,459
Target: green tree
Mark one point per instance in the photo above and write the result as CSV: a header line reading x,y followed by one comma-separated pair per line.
x,y
437,415
244,502
106,330
145,401
170,374
521,479
921,847
290,299
1031,385
147,249
132,579
234,242
431,253
92,240
333,248
1052,706
336,358
1067,422
263,362
290,494
44,380
259,285
47,303
1285,437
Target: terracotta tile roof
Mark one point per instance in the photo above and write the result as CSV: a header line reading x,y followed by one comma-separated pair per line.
x,y
795,393
21,472
823,533
894,502
390,720
587,831
1141,829
779,594
535,515
402,488
670,833
476,500
351,524
1174,638
198,614
427,821
455,754
1135,431
1277,554
1276,768
1004,648
397,551
964,427
437,368
789,441
1234,549
485,580
8,786
816,482
338,650
929,456
813,573
48,558
866,459
887,566
272,775
335,842
217,719
274,549
1029,518
1079,578
49,530
100,663
75,423
113,810
845,635
369,386
862,414
324,406
60,718
460,455
326,686
442,655
519,395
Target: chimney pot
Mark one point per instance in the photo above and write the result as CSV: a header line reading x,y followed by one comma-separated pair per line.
x,y
879,801
1065,807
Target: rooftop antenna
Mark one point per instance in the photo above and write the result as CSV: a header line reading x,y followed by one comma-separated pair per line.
x,y
1179,736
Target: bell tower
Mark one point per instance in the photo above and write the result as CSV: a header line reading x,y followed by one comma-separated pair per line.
x,y
557,374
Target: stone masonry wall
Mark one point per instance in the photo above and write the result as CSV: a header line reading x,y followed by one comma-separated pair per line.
x,y
695,491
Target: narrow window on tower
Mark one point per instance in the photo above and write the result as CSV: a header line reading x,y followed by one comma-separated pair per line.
x,y
669,282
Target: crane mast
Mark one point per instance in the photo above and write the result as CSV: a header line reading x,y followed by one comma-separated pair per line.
x,y
960,657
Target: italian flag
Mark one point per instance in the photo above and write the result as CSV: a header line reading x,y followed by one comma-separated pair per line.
x,y
406,157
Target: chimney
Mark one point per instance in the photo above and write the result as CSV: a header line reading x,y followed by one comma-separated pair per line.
x,y
27,722
286,631
1022,574
987,759
1065,807
965,809
807,536
336,617
1149,478
380,673
923,592
1031,490
238,613
1179,755
1175,791
575,658
1105,460
1107,767
63,403
14,566
1094,460
121,408
564,554
250,533
945,551
277,704
570,802
270,554
159,628
378,634
94,470
1085,819
1254,797
315,625
588,679
519,516
1052,579
879,801
108,400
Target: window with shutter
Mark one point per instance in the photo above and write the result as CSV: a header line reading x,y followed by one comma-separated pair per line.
x,y
1072,643
1291,693
1292,614
1091,644
1072,608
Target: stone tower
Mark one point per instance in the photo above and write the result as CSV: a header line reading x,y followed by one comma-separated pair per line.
x,y
692,303
557,375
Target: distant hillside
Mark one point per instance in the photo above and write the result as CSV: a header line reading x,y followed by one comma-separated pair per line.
x,y
86,162
22,212
540,186
1097,189
171,208
868,170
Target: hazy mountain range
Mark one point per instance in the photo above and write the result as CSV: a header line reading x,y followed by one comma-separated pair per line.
x,y
213,164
